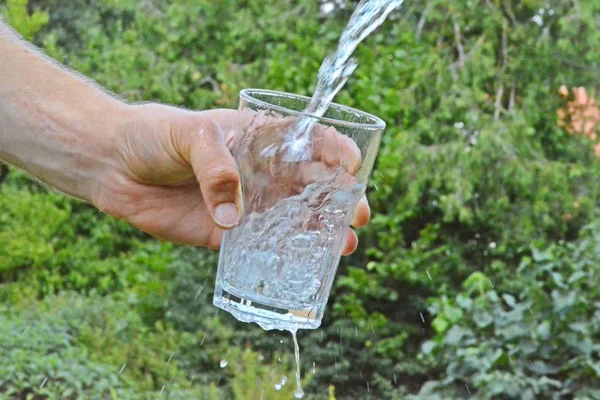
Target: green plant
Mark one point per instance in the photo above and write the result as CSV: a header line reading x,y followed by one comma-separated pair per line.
x,y
538,342
26,23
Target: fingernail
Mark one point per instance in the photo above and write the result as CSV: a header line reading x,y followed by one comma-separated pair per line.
x,y
227,215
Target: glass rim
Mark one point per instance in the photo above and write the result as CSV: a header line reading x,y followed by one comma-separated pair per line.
x,y
248,94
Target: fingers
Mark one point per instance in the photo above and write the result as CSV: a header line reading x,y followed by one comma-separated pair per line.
x,y
362,213
351,243
334,149
203,146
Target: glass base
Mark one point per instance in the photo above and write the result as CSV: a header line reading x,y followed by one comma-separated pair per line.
x,y
268,317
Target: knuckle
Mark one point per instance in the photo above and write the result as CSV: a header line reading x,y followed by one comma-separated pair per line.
x,y
221,178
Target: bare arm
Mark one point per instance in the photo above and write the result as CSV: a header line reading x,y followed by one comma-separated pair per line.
x,y
49,118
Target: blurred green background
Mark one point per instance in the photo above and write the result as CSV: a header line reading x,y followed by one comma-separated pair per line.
x,y
478,277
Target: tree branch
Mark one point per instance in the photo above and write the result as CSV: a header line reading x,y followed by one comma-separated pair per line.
x,y
509,11
500,91
456,65
511,100
421,23
459,45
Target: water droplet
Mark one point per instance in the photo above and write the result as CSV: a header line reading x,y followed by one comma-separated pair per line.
x,y
491,284
25,331
395,380
468,390
448,252
510,359
223,363
122,368
356,331
170,357
459,125
278,386
434,203
492,245
422,317
284,380
43,382
162,390
429,275
199,291
368,387
314,368
202,341
279,359
477,236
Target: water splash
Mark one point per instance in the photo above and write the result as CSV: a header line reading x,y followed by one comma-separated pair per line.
x,y
223,363
299,393
334,72
281,383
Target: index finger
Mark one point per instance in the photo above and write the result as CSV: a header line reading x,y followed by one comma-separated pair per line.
x,y
334,149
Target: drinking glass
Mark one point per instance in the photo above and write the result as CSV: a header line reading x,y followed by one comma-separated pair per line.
x,y
276,268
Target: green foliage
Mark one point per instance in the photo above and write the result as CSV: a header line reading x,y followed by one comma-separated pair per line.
x,y
538,342
51,244
480,206
28,24
90,347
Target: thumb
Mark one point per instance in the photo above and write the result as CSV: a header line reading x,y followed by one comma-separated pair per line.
x,y
204,147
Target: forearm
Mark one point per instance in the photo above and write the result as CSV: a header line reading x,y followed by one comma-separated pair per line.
x,y
53,124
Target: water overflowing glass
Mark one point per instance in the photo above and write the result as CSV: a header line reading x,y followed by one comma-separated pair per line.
x,y
334,72
304,164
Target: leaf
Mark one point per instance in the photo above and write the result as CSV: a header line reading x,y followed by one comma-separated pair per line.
x,y
428,346
595,367
455,335
510,300
542,368
440,324
539,256
562,302
543,330
453,314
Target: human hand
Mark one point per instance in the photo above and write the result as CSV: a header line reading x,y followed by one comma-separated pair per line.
x,y
173,175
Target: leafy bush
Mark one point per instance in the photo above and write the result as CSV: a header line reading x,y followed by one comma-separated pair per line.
x,y
539,342
90,347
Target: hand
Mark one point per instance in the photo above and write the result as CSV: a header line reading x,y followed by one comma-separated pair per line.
x,y
173,175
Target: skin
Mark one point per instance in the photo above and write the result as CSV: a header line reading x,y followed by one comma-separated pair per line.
x,y
166,170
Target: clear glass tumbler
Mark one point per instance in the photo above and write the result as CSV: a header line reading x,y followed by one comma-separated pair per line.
x,y
276,268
